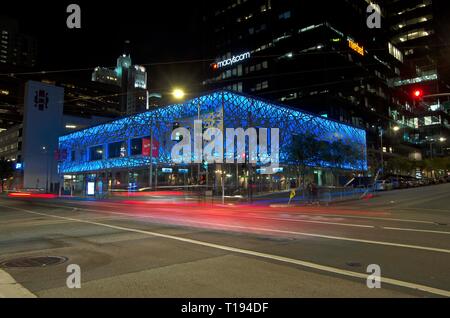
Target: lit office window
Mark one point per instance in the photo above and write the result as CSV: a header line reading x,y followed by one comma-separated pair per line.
x,y
284,15
395,52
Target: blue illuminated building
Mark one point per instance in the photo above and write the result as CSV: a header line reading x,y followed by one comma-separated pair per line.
x,y
107,150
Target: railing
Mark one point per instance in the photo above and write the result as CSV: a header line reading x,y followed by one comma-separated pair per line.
x,y
326,195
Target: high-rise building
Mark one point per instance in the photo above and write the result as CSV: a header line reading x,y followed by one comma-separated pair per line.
x,y
16,49
18,52
87,98
11,101
132,79
317,55
415,30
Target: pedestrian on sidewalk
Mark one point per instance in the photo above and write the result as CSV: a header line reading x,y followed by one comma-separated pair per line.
x,y
315,193
309,192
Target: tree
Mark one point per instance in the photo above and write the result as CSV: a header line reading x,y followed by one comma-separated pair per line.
x,y
6,171
399,165
306,151
340,156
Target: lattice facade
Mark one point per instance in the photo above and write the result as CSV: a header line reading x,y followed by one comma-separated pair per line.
x,y
225,108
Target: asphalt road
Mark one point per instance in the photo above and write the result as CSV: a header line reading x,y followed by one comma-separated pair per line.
x,y
132,248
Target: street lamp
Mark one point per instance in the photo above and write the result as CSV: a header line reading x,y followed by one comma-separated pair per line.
x,y
431,141
45,152
178,93
395,129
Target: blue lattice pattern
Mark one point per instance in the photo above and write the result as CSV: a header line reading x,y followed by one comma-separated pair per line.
x,y
237,110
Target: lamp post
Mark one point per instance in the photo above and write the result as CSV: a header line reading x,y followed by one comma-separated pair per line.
x,y
432,141
45,152
381,150
150,177
178,93
395,129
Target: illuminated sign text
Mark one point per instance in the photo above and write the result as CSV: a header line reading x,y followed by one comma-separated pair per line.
x,y
356,47
232,60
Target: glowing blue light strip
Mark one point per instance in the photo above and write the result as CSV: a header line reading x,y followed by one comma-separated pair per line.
x,y
240,111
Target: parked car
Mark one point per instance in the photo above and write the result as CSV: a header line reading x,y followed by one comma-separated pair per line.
x,y
383,185
395,182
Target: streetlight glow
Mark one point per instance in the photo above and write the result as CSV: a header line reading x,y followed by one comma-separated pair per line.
x,y
178,93
396,128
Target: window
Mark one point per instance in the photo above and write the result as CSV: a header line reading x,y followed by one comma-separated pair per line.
x,y
284,15
239,70
73,155
117,149
136,146
395,52
96,153
264,84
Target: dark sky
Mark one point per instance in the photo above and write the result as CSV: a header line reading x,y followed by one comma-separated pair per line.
x,y
159,31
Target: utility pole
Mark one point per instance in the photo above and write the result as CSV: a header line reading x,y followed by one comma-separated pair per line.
x,y
199,164
431,149
150,177
223,138
381,150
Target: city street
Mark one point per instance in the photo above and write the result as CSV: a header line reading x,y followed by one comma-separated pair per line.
x,y
162,248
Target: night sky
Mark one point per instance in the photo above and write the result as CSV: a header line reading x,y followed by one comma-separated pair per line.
x,y
166,32
159,32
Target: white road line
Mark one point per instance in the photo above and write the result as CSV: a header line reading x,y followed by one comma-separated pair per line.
x,y
415,230
311,221
341,238
371,218
425,209
329,269
9,288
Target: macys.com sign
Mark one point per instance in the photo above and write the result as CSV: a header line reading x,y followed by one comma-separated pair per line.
x,y
232,60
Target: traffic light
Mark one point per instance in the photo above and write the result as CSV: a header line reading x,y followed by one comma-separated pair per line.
x,y
417,93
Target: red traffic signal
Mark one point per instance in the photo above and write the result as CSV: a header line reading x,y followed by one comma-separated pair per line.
x,y
417,93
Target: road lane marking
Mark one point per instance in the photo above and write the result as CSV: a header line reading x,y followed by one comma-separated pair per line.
x,y
315,266
415,230
311,221
426,209
9,288
341,238
371,218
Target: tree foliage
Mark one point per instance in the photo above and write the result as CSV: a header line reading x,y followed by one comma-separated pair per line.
x,y
309,151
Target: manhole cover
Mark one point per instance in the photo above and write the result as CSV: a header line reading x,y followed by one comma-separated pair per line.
x,y
353,264
38,261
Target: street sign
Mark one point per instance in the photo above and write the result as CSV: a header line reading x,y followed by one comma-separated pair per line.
x,y
292,194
